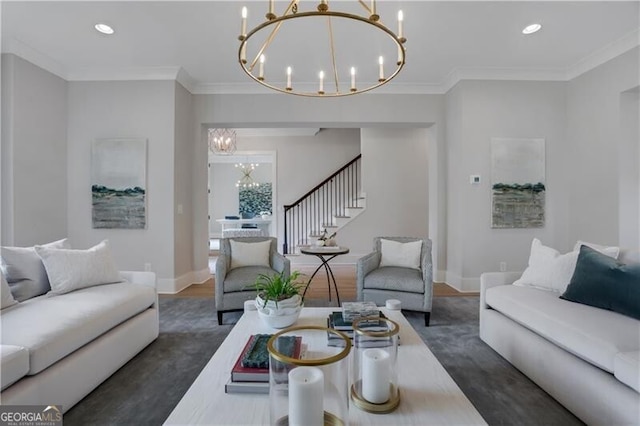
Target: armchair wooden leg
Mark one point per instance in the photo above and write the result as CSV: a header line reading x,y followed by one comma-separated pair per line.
x,y
427,317
219,318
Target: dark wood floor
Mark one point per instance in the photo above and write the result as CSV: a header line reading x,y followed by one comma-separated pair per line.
x,y
345,278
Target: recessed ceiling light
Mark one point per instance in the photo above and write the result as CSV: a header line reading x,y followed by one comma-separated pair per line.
x,y
530,29
104,29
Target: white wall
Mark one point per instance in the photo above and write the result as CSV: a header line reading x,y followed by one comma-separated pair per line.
x,y
593,129
478,111
183,189
224,194
34,154
125,109
395,180
629,170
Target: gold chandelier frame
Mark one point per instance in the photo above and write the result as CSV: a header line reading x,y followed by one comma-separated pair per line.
x,y
323,10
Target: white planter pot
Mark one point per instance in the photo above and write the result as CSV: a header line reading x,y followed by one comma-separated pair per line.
x,y
284,315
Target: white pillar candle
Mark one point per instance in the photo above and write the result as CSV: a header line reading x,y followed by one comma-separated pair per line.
x,y
243,30
306,387
321,75
376,375
288,77
381,65
353,78
400,19
261,74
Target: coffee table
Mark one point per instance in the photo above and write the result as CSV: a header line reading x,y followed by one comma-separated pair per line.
x,y
428,394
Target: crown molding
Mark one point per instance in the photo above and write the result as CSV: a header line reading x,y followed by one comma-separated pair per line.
x,y
506,74
605,54
179,74
26,52
122,74
255,89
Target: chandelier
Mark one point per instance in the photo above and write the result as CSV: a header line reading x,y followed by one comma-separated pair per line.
x,y
298,39
246,181
222,141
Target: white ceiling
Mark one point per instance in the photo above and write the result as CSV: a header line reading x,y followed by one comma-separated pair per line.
x,y
197,43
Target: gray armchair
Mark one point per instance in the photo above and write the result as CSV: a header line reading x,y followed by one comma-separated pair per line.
x,y
235,286
413,287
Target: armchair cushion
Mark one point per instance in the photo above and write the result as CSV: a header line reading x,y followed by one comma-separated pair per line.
x,y
396,279
243,278
250,254
404,255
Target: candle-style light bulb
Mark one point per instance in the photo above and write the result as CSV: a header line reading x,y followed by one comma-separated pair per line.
x,y
321,75
400,20
288,78
353,79
261,73
243,31
381,66
271,6
373,7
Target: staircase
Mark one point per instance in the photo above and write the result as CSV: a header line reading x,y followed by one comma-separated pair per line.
x,y
332,204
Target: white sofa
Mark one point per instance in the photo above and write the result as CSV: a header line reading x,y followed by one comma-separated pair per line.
x,y
56,350
587,358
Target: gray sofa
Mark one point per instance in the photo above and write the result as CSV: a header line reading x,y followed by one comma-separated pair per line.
x,y
586,358
413,287
56,350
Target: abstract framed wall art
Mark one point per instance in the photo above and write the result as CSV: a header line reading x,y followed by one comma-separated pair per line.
x,y
517,183
118,183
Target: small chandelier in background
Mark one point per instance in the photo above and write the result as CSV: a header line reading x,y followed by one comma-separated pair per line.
x,y
222,141
332,69
246,181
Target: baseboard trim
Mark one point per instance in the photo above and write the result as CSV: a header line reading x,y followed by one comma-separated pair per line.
x,y
463,285
176,285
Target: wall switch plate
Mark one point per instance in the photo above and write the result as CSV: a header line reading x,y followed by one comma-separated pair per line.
x,y
474,179
503,266
147,267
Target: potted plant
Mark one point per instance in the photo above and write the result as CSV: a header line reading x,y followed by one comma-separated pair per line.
x,y
278,299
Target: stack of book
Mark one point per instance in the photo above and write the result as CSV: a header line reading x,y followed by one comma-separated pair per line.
x,y
250,373
337,321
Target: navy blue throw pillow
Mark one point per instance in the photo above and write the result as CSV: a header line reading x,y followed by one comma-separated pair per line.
x,y
603,282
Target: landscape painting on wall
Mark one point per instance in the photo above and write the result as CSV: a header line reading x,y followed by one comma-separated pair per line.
x,y
118,183
518,183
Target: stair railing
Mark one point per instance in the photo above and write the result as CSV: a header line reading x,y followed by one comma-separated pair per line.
x,y
315,210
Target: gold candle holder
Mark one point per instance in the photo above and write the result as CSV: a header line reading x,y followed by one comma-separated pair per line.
x,y
374,374
312,390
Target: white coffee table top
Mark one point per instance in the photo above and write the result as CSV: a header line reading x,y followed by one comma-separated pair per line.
x,y
428,394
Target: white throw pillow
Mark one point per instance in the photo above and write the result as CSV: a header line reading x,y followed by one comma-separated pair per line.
x,y
403,255
548,269
250,254
5,294
24,271
70,270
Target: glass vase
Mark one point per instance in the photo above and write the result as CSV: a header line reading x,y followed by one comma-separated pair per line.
x,y
312,390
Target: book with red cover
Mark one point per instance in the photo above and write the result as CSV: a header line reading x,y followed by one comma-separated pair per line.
x,y
251,374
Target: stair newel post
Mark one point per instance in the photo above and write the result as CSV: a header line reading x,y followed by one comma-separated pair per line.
x,y
284,244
